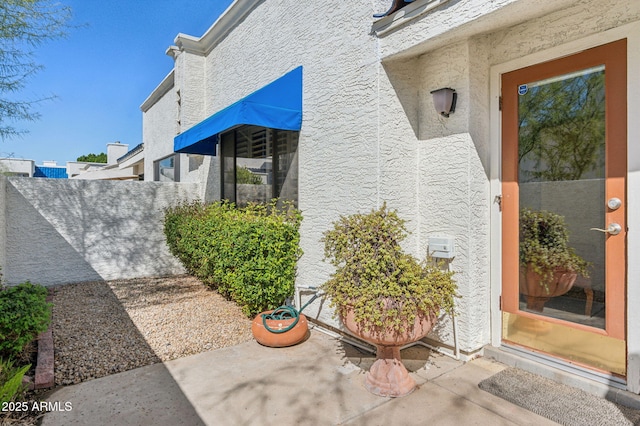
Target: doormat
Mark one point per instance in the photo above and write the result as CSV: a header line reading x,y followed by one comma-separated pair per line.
x,y
561,403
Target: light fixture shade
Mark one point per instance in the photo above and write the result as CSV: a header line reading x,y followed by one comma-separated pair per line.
x,y
444,100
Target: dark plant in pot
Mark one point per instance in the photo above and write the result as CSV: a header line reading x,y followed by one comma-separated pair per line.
x,y
548,265
383,295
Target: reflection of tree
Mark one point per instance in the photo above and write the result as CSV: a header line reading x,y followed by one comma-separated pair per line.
x,y
244,176
561,129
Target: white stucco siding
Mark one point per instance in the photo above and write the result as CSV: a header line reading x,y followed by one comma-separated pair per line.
x,y
159,124
439,177
458,20
365,134
633,216
452,198
370,133
338,147
479,99
190,83
582,19
455,182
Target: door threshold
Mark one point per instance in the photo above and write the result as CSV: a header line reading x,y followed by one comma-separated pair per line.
x,y
608,386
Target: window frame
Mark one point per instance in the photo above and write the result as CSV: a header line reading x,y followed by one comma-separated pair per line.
x,y
176,167
228,149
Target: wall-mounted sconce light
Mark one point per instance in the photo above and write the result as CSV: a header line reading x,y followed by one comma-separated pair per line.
x,y
445,100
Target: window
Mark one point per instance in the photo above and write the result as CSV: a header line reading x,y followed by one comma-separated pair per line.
x,y
259,164
167,169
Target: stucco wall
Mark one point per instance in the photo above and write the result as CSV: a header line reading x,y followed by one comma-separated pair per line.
x,y
370,133
164,117
61,231
338,146
454,46
582,18
456,20
159,126
443,171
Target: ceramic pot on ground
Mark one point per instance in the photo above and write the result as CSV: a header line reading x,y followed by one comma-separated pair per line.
x,y
536,293
388,376
277,338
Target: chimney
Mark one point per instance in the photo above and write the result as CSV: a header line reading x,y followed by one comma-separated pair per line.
x,y
116,150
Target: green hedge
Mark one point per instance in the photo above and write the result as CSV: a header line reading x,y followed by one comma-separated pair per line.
x,y
247,254
24,313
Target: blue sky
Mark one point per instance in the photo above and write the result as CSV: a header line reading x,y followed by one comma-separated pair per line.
x,y
102,72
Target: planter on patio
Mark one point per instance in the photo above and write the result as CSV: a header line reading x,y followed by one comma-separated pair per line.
x,y
388,376
279,333
382,294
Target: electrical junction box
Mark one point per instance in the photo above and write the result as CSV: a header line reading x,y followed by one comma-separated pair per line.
x,y
442,247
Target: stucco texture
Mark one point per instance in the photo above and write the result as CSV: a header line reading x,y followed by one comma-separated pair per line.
x,y
370,133
62,231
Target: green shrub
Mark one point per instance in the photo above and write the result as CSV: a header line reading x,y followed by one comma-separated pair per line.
x,y
385,287
24,313
544,245
245,176
11,387
247,254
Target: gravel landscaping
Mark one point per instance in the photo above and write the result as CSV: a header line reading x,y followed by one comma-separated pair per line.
x,y
102,328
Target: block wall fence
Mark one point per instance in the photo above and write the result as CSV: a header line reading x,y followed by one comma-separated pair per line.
x,y
56,231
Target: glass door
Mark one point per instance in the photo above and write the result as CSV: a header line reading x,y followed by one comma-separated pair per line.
x,y
563,206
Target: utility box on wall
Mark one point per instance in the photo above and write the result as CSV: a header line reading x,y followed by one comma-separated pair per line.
x,y
442,247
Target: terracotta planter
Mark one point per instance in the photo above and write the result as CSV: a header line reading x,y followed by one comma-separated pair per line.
x,y
536,293
388,376
279,340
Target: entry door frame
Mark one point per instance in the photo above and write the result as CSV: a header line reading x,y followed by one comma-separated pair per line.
x,y
632,33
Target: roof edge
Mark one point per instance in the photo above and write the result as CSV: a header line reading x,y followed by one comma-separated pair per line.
x,y
165,85
219,30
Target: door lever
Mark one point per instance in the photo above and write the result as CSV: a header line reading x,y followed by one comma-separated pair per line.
x,y
613,229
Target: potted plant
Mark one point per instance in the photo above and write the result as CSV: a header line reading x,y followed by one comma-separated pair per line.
x,y
548,265
382,294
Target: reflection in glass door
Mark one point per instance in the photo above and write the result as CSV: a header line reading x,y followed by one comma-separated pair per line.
x,y
564,165
561,175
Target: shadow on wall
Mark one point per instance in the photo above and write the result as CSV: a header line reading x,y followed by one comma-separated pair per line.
x,y
405,82
61,231
413,79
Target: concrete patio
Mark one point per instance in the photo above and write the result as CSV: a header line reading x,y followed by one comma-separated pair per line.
x,y
318,382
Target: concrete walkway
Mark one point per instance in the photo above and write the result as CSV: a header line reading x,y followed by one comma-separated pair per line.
x,y
318,382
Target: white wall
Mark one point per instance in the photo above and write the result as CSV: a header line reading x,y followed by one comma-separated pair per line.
x,y
159,126
441,171
116,150
338,147
633,215
58,231
16,165
370,133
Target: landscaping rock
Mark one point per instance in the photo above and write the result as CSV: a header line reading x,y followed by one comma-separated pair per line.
x,y
103,328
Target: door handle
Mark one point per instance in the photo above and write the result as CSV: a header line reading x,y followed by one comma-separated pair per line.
x,y
613,229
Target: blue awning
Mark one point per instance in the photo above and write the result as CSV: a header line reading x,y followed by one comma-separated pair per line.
x,y
277,105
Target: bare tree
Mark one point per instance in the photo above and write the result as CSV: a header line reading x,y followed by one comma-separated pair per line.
x,y
24,25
